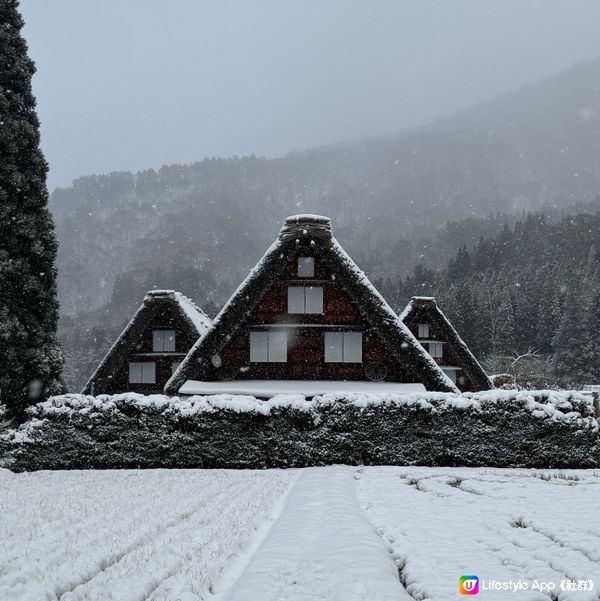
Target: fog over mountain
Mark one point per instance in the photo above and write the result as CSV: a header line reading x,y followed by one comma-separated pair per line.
x,y
201,227
143,83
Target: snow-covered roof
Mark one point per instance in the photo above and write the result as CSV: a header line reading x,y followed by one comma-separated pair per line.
x,y
196,316
398,339
186,308
308,388
467,361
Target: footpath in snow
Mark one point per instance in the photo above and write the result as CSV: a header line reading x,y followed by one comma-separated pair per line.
x,y
322,546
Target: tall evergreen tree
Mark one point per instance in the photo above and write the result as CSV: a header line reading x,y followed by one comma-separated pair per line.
x,y
570,358
30,358
505,323
548,314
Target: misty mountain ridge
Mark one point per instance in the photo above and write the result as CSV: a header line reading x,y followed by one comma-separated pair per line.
x,y
202,226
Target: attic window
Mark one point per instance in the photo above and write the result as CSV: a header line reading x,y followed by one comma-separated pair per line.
x,y
305,299
343,347
163,341
268,347
306,267
423,330
142,372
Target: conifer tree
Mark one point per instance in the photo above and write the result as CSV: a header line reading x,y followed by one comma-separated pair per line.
x,y
505,331
30,358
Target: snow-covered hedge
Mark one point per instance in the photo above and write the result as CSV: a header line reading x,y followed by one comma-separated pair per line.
x,y
496,428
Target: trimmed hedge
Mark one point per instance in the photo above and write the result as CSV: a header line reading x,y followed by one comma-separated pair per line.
x,y
543,429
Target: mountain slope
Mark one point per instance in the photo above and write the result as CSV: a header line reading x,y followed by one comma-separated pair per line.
x,y
535,146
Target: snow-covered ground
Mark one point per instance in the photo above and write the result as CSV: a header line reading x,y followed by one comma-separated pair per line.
x,y
333,533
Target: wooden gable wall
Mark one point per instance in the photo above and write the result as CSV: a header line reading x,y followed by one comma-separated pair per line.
x,y
305,359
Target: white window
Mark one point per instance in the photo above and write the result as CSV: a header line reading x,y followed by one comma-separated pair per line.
x,y
423,330
163,341
306,267
436,350
305,299
175,366
268,347
142,372
452,373
343,347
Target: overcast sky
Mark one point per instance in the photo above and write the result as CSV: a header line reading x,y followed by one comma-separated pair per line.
x,y
132,84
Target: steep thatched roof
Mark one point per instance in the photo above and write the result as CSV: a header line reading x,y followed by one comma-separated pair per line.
x,y
192,318
427,306
374,309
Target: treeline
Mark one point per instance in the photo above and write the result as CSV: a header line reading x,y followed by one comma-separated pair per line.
x,y
387,196
530,285
526,300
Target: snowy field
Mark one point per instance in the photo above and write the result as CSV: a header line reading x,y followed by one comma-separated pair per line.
x,y
338,533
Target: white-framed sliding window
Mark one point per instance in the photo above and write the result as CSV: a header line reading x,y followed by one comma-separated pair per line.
x,y
451,372
343,347
305,299
142,372
163,341
306,267
423,330
268,347
436,350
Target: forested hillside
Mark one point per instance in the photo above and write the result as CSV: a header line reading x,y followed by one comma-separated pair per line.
x,y
532,290
535,147
411,199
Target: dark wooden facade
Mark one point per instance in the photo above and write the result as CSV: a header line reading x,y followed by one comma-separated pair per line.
x,y
306,333
350,305
161,310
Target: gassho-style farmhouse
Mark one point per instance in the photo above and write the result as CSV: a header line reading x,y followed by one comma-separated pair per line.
x,y
306,320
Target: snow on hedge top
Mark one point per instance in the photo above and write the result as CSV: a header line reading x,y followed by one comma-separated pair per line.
x,y
556,406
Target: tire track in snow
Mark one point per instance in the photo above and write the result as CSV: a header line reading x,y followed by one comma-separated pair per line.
x,y
197,574
161,531
528,525
187,558
142,540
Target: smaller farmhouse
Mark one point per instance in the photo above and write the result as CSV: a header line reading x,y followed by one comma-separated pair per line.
x,y
151,347
307,319
436,334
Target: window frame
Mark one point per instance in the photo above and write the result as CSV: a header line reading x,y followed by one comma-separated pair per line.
x,y
422,327
304,262
160,335
296,300
452,374
143,366
275,351
434,347
341,356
